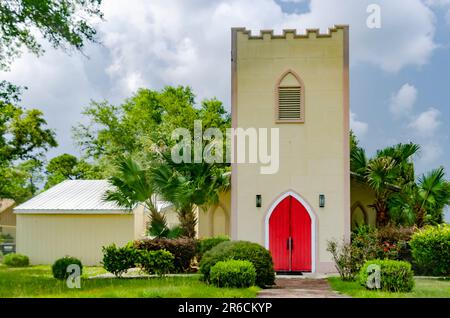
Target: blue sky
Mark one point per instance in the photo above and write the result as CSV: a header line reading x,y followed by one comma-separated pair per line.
x,y
424,103
400,81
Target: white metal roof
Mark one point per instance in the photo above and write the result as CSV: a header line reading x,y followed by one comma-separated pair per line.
x,y
72,196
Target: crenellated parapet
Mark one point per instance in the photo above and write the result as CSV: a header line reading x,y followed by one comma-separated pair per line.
x,y
291,33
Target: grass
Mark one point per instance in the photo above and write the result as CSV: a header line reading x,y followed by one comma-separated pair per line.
x,y
37,281
424,288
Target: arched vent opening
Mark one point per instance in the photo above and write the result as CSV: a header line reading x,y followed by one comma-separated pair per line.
x,y
290,98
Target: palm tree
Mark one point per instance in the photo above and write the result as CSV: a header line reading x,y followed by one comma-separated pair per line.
x,y
424,201
402,155
388,172
380,176
131,186
433,194
189,185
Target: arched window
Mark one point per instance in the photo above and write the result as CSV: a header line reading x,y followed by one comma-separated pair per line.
x,y
290,98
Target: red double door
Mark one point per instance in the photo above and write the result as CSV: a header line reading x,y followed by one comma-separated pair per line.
x,y
290,236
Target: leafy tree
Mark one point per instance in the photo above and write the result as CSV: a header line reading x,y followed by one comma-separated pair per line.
x,y
24,139
23,134
63,23
143,123
9,93
142,128
69,167
20,182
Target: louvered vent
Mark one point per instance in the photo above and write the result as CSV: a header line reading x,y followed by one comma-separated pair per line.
x,y
289,99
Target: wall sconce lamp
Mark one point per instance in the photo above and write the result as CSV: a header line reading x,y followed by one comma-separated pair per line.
x,y
321,200
258,200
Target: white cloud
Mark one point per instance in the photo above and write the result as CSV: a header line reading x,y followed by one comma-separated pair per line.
x,y
405,37
402,102
426,123
437,3
157,43
360,128
292,1
429,153
165,45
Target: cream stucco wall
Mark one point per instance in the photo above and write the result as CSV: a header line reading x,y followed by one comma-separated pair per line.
x,y
216,221
313,155
140,222
362,196
47,237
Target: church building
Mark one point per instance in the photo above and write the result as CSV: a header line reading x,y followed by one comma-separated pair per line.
x,y
298,83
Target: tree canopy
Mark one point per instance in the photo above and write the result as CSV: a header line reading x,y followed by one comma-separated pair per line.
x,y
400,196
67,166
24,139
141,131
63,23
144,123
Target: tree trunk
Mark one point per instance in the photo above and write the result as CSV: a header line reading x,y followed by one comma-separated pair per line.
x,y
420,217
188,221
382,212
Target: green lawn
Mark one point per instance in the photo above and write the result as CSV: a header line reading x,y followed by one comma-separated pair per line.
x,y
37,281
424,288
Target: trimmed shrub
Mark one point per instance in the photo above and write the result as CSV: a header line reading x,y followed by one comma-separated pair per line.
x,y
16,260
183,249
208,243
59,267
158,262
233,273
117,260
431,250
241,250
395,276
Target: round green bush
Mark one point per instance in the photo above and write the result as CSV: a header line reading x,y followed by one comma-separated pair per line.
x,y
16,260
59,267
241,250
395,276
117,260
233,274
158,262
205,244
430,249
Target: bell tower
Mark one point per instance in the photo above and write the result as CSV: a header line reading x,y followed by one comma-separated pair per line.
x,y
299,84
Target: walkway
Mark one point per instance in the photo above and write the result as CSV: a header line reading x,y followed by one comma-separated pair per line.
x,y
300,287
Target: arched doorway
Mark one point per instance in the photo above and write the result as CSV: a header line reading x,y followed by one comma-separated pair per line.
x,y
290,226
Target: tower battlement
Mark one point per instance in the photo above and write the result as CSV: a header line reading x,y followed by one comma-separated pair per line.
x,y
290,33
